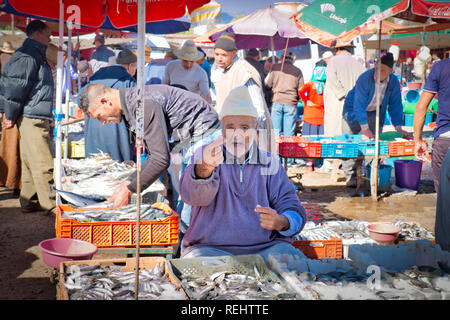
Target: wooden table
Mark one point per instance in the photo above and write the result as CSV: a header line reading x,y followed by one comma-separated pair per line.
x,y
359,160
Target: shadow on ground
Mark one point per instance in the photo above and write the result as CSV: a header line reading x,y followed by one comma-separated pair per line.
x,y
24,276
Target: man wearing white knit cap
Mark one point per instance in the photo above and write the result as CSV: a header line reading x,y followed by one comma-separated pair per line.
x,y
237,208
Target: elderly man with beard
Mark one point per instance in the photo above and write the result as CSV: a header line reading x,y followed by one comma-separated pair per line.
x,y
239,204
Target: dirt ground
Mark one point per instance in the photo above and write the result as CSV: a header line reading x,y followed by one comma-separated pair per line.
x,y
24,275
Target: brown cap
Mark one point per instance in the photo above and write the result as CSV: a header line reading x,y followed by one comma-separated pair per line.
x,y
99,37
126,56
226,42
51,53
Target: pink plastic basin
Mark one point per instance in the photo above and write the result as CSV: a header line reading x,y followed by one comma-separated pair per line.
x,y
55,251
414,85
383,232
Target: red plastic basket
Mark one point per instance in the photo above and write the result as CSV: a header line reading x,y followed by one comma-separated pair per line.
x,y
318,249
401,148
298,147
119,233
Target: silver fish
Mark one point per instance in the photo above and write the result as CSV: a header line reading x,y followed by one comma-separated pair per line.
x,y
79,200
127,213
111,283
229,286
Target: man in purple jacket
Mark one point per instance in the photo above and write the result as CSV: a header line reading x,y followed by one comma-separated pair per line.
x,y
242,199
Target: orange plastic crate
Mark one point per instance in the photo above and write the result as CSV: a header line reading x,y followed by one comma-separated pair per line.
x,y
318,249
401,148
298,147
119,233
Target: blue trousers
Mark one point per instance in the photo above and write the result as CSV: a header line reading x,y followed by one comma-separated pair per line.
x,y
284,119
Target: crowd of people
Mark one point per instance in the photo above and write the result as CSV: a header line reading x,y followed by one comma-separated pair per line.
x,y
215,136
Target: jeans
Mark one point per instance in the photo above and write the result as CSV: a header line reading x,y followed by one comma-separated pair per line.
x,y
442,221
349,166
278,248
312,129
441,146
284,119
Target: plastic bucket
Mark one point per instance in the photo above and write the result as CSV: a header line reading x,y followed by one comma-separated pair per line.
x,y
412,96
409,107
428,118
407,173
384,177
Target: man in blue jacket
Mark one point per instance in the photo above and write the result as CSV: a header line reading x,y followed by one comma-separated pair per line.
x,y
361,102
112,138
26,93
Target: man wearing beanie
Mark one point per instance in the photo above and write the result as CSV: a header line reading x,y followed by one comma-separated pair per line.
x,y
100,56
242,199
360,106
112,138
240,73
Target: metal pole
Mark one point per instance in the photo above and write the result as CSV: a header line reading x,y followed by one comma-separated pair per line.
x,y
13,25
273,50
58,115
68,86
139,129
77,60
374,175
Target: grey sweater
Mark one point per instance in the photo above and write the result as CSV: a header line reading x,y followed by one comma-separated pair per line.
x,y
172,118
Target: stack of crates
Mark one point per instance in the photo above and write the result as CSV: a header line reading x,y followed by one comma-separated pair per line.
x,y
365,148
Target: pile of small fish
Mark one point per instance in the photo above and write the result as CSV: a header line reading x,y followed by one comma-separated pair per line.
x,y
231,286
357,230
126,213
313,280
99,175
417,282
336,276
96,175
352,229
95,282
411,230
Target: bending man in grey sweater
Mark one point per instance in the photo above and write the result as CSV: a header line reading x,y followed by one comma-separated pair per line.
x,y
173,118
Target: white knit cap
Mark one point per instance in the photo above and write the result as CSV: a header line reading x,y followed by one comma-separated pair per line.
x,y
327,54
238,103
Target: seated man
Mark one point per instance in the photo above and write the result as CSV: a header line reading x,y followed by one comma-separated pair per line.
x,y
241,197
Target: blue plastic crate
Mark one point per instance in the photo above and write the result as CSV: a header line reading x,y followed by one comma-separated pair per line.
x,y
339,150
367,148
409,120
